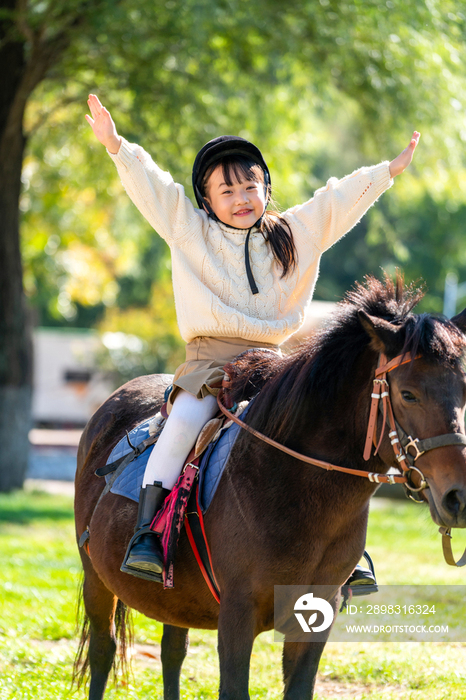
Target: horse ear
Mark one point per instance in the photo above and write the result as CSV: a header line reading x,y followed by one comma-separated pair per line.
x,y
460,321
384,335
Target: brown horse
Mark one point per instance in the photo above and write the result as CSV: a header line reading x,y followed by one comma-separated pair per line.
x,y
274,520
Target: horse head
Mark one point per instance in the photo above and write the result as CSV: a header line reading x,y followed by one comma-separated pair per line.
x,y
318,398
428,396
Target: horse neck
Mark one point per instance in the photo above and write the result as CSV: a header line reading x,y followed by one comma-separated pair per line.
x,y
336,426
321,505
331,430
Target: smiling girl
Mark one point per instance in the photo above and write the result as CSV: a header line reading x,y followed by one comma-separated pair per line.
x,y
243,276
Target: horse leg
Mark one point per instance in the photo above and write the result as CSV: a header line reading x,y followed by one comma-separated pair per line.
x,y
174,647
100,605
300,664
235,642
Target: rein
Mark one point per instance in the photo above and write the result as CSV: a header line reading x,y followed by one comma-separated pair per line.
x,y
404,458
374,477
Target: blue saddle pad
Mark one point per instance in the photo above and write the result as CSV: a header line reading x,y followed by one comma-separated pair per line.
x,y
214,460
129,482
211,467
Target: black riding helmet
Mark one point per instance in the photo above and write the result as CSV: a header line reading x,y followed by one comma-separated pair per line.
x,y
216,150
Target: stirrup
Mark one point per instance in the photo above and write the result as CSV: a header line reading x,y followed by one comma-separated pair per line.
x,y
146,575
362,581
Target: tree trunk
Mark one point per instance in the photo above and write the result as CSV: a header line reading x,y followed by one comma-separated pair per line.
x,y
15,327
27,52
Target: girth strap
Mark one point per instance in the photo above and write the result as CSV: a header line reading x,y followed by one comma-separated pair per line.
x,y
126,459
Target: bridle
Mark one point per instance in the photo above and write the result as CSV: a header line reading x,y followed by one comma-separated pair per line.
x,y
400,441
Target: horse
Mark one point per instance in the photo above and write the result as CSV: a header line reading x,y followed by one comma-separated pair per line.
x,y
274,520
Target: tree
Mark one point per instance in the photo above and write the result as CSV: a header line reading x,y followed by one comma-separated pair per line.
x,y
28,50
180,73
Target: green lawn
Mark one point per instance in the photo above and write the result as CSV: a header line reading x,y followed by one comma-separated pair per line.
x,y
40,576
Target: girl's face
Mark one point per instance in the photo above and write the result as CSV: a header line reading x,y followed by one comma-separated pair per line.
x,y
239,204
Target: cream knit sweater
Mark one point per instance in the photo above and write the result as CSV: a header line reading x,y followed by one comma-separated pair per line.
x,y
212,293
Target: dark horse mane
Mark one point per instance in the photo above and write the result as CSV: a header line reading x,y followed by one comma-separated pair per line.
x,y
324,362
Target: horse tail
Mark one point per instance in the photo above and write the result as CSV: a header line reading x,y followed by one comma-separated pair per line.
x,y
123,638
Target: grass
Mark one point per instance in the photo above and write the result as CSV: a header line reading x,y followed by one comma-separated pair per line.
x,y
40,576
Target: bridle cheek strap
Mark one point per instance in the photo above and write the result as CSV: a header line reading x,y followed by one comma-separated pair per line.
x,y
376,395
380,392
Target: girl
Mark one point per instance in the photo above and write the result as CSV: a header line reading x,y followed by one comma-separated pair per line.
x,y
243,275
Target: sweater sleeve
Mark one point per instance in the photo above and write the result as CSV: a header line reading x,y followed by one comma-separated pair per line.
x,y
159,199
337,207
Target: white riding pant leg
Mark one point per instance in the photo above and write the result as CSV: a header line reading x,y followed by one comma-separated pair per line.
x,y
187,417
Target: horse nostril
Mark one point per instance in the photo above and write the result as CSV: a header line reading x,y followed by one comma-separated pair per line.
x,y
454,501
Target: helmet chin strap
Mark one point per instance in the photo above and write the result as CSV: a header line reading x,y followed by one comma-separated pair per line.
x,y
251,280
247,262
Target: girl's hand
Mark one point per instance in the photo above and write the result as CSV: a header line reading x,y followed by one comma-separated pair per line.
x,y
404,159
102,125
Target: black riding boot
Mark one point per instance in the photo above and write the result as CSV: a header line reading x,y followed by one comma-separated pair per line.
x,y
144,554
362,581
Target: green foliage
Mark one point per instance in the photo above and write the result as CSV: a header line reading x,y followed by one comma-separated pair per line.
x,y
142,340
323,87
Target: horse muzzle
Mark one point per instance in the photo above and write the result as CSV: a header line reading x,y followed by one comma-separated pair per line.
x,y
448,510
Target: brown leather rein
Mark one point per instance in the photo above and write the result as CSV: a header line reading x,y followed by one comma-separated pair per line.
x,y
404,458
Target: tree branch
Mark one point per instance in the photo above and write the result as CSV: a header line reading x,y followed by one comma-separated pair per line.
x,y
44,52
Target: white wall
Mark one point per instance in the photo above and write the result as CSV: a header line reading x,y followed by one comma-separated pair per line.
x,y
61,352
58,353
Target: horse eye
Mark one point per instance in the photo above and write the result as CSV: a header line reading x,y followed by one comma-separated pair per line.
x,y
408,396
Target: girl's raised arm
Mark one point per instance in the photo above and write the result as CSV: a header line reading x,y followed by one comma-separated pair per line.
x,y
159,199
103,125
338,206
402,161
